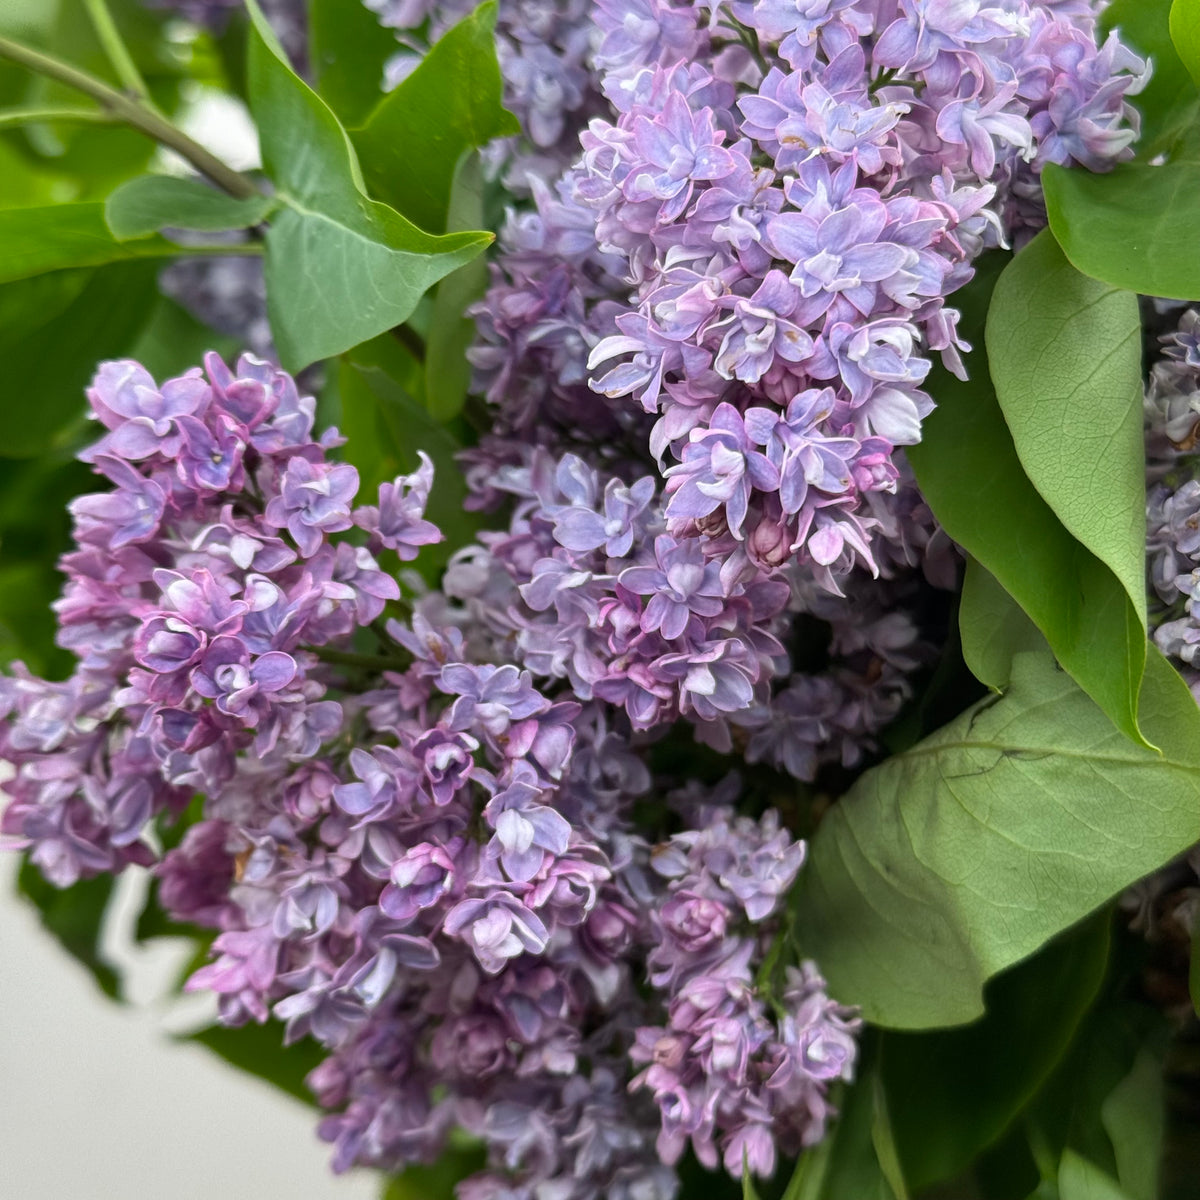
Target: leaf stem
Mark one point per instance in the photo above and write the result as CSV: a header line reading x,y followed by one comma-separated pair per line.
x,y
368,662
13,117
116,51
133,113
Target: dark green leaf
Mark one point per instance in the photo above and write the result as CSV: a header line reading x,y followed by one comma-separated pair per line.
x,y
1168,102
436,1182
971,476
55,236
993,626
1069,1110
850,1164
1131,227
1134,1116
348,49
340,268
954,1092
152,202
450,104
447,371
106,312
956,859
1185,34
1079,1179
1194,970
75,916
259,1050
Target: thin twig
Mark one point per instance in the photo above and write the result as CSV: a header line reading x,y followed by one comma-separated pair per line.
x,y
13,117
133,113
116,51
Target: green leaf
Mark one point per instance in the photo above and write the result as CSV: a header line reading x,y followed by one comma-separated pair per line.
x,y
954,1092
259,1050
437,1181
1194,969
75,916
970,475
54,236
447,371
340,268
957,858
1134,1116
1130,227
173,341
89,316
348,49
1168,102
1065,357
993,626
450,104
857,1161
1069,1110
152,202
1079,1179
749,1191
1185,34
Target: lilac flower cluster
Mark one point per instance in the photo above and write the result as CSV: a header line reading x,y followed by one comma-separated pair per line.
x,y
427,858
795,191
1173,496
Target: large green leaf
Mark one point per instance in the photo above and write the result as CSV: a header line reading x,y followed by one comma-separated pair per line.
x,y
348,49
1079,1179
87,316
340,267
1064,352
55,236
1185,34
450,104
954,1092
1133,227
152,202
74,915
959,857
975,483
1134,1116
1168,102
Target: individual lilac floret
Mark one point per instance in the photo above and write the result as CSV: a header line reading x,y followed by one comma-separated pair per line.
x,y
682,583
314,499
144,420
399,520
719,468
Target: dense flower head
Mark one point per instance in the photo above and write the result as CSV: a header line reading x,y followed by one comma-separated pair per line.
x,y
464,862
427,859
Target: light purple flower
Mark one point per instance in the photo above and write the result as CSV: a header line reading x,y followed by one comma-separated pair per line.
x,y
314,499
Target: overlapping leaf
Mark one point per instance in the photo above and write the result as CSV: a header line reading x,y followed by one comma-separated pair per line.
x,y
977,486
963,855
450,104
340,267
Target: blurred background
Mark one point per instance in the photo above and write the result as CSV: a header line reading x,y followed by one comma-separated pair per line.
x,y
98,1103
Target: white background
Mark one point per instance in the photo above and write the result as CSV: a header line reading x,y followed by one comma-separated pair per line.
x,y
97,1102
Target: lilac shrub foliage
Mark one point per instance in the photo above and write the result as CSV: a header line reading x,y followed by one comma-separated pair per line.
x,y
458,861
